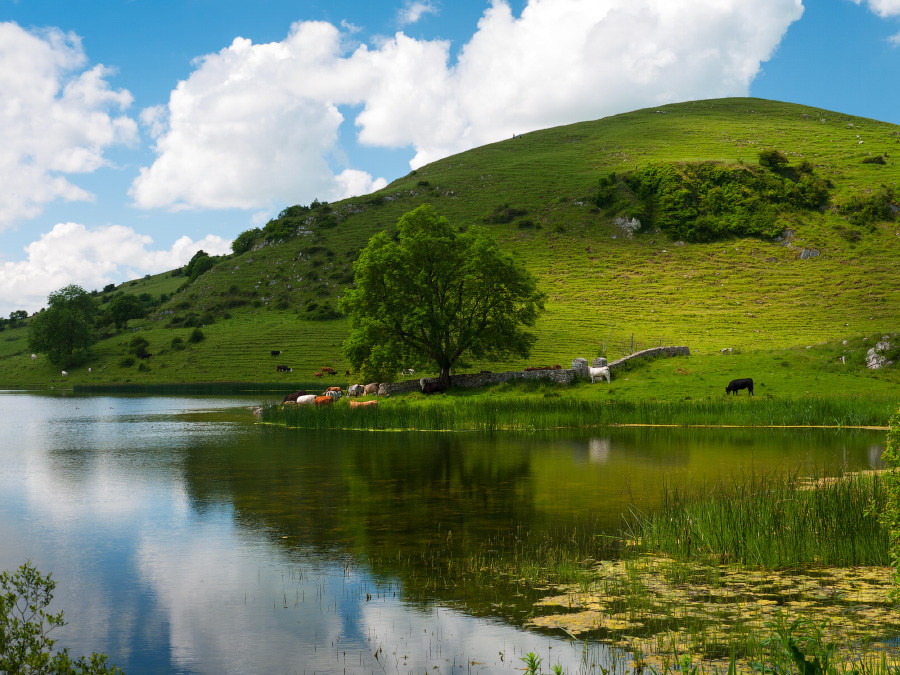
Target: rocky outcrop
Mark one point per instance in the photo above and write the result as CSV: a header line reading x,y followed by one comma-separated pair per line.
x,y
875,357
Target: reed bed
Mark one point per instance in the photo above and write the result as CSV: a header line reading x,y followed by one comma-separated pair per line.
x,y
770,522
525,411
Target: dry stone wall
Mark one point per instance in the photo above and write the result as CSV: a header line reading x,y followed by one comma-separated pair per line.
x,y
578,371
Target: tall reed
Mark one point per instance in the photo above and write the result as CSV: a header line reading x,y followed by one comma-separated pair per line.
x,y
528,412
772,522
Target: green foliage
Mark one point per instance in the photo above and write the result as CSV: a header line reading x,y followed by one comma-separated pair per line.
x,y
126,307
138,345
532,663
433,295
196,336
245,240
127,362
504,214
870,209
25,625
772,159
890,513
706,201
18,315
177,344
200,263
64,328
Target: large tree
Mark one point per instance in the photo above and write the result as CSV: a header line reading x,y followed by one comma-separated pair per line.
x,y
65,326
431,294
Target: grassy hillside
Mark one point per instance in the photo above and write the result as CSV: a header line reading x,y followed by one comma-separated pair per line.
x,y
609,290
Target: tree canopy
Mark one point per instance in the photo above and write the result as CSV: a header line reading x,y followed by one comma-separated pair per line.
x,y
65,326
432,295
124,308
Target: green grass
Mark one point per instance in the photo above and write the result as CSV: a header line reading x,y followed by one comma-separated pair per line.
x,y
607,291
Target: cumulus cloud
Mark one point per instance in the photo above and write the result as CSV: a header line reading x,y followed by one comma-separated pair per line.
x,y
56,119
255,125
72,253
412,11
883,8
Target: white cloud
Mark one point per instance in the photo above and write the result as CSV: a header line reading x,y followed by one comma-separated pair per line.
x,y
413,10
883,8
71,253
55,120
255,126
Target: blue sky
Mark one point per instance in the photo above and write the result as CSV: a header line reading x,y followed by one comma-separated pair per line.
x,y
133,133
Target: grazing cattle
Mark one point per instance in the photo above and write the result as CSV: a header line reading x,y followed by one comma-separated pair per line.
x,y
355,390
333,394
323,400
347,373
292,398
146,355
599,373
33,357
284,369
337,389
317,374
371,389
328,370
64,373
306,399
735,385
433,388
363,404
276,352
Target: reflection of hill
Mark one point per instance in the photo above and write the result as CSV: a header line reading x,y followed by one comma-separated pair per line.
x,y
436,509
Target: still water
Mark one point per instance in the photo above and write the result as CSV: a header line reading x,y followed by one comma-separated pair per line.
x,y
185,538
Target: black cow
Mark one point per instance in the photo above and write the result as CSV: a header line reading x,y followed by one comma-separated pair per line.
x,y
146,355
433,388
276,352
293,397
734,385
284,369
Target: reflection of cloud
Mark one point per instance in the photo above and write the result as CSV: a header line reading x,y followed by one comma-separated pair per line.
x,y
599,450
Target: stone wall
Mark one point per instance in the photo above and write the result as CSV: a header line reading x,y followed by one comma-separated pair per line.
x,y
578,371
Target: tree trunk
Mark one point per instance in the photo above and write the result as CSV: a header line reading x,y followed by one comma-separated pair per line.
x,y
445,376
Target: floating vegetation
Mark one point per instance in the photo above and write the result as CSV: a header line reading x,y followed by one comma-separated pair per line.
x,y
657,608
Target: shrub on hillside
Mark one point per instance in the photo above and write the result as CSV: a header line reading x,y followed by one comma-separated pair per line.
x,y
177,344
138,345
870,209
772,159
196,336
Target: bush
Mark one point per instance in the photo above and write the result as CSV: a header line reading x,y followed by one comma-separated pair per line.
x,y
772,159
24,628
138,345
196,336
177,344
127,362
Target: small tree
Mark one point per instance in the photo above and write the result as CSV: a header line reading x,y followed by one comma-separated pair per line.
x,y
124,308
772,159
25,626
435,295
65,326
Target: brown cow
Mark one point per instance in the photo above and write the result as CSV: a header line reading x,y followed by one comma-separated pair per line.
x,y
317,374
371,389
323,400
332,389
363,404
328,370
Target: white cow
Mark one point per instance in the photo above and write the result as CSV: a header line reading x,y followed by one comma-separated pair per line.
x,y
33,357
355,390
64,373
599,373
309,399
335,395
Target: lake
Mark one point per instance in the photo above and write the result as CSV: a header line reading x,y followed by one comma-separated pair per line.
x,y
185,538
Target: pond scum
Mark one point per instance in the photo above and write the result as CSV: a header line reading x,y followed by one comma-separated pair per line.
x,y
768,574
526,411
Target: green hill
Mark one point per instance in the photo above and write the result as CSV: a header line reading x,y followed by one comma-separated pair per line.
x,y
729,254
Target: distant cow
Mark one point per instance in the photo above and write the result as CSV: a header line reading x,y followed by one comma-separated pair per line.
x,y
363,404
284,369
317,374
33,357
355,390
306,399
64,373
371,389
323,400
292,398
599,373
434,388
734,385
328,371
146,355
276,352
337,389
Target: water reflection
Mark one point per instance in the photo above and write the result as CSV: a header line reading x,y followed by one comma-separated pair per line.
x,y
185,539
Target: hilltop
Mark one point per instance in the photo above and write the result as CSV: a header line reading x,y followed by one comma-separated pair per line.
x,y
638,226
